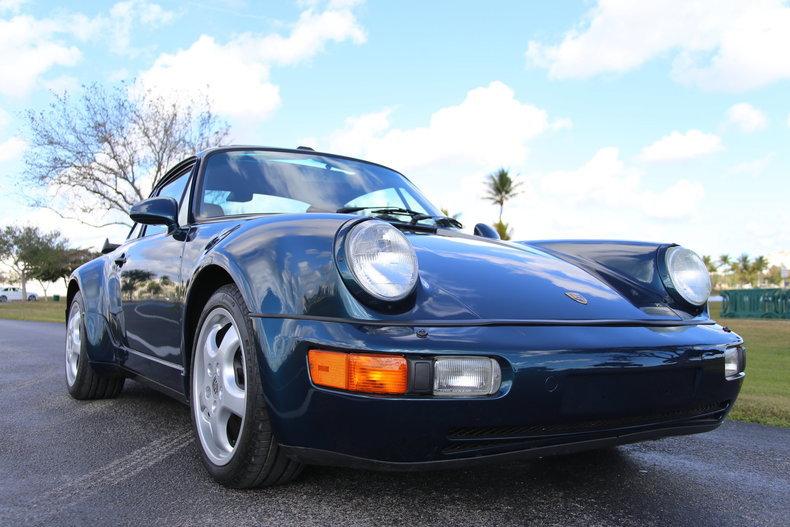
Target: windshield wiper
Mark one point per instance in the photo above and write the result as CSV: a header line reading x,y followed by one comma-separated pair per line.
x,y
442,221
378,208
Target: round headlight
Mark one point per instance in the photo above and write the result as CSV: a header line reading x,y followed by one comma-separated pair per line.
x,y
382,260
689,275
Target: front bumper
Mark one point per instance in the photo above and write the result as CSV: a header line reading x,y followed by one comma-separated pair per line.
x,y
564,389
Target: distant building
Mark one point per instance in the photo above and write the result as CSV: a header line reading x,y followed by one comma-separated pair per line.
x,y
781,259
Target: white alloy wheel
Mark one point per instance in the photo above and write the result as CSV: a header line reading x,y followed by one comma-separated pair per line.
x,y
73,343
219,386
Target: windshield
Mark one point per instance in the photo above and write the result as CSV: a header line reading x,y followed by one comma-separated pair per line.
x,y
264,182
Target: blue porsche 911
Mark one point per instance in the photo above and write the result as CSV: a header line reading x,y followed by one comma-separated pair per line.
x,y
312,308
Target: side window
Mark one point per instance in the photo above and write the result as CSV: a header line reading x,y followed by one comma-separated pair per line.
x,y
135,232
175,189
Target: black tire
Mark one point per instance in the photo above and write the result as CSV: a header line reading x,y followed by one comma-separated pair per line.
x,y
257,459
3,299
88,383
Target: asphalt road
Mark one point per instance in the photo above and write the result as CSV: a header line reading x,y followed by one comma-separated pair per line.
x,y
133,461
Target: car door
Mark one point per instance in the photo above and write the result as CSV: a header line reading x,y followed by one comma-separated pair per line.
x,y
151,292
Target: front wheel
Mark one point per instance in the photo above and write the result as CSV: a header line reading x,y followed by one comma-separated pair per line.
x,y
229,415
3,299
82,381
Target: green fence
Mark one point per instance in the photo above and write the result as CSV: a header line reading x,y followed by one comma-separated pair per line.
x,y
756,303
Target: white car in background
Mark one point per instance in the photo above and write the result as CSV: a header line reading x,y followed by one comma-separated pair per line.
x,y
14,293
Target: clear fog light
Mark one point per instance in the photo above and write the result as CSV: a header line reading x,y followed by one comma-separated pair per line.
x,y
466,376
732,362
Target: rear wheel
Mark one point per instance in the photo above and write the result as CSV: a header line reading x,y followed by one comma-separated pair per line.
x,y
82,380
229,415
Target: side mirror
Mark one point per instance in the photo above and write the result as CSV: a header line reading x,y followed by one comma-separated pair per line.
x,y
486,231
108,247
156,211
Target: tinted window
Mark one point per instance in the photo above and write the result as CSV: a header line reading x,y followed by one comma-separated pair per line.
x,y
260,182
174,189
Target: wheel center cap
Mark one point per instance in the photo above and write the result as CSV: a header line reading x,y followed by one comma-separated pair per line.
x,y
215,385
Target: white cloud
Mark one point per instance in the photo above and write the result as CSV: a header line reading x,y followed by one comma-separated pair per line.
x,y
449,154
28,48
11,149
4,119
490,127
679,200
124,17
716,44
607,181
561,123
678,146
746,117
236,74
753,168
11,6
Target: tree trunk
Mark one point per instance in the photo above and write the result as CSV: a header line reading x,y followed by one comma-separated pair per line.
x,y
501,207
44,287
23,284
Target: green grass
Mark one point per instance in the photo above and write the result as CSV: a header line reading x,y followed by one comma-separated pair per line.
x,y
765,396
41,310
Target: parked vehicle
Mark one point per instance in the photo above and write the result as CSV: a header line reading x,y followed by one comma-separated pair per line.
x,y
312,308
8,294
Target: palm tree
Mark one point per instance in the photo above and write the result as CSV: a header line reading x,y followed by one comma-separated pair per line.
x,y
501,188
742,268
709,263
759,266
504,230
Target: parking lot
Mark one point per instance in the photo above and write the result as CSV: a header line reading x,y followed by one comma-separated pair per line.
x,y
133,461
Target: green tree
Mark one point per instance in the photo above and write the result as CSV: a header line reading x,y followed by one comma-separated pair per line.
x,y
500,189
23,250
58,261
712,268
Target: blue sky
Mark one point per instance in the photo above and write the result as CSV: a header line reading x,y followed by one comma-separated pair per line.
x,y
665,121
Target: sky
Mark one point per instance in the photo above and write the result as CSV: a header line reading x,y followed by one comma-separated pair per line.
x,y
665,121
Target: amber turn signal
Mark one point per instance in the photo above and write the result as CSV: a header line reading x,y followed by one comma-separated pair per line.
x,y
359,372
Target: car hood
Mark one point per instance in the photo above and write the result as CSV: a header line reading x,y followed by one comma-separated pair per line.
x,y
502,281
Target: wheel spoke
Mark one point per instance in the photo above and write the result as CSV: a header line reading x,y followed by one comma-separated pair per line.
x,y
234,400
219,429
229,345
210,345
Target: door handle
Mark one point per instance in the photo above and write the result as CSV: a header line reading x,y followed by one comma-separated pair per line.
x,y
120,260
